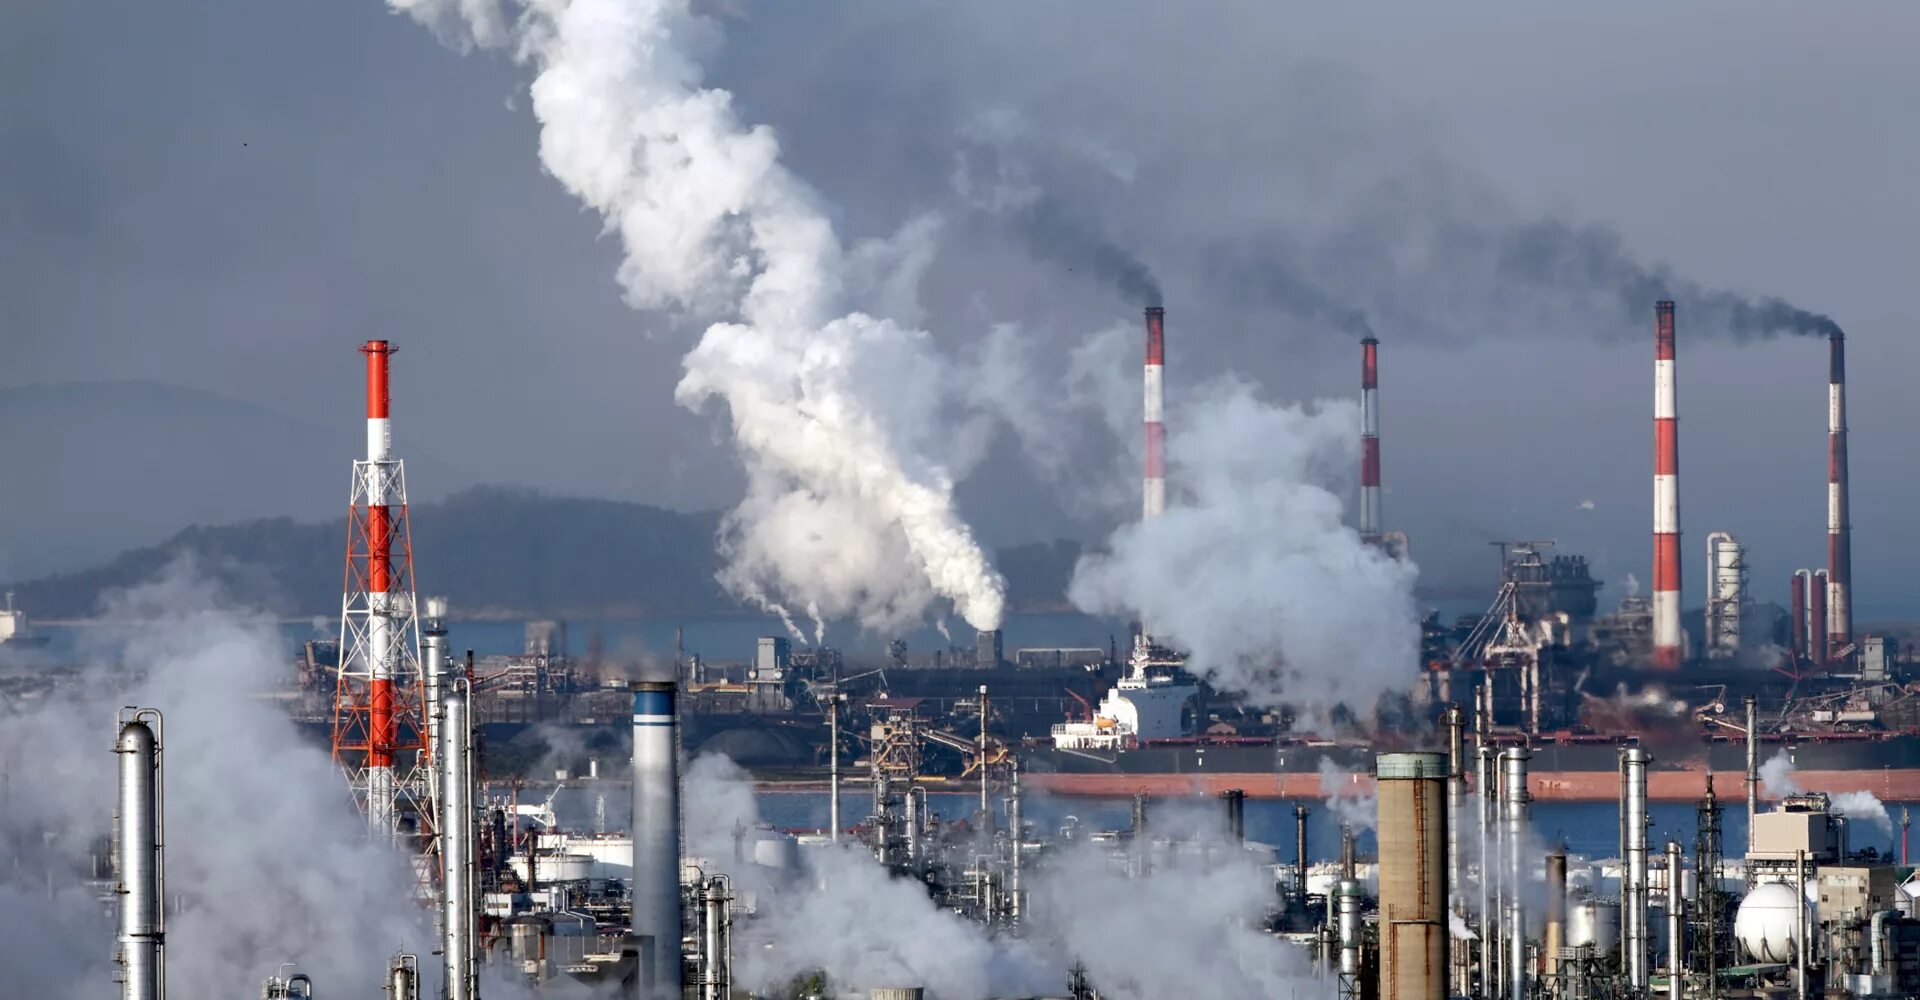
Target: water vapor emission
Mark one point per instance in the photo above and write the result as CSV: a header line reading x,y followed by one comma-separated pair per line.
x,y
836,410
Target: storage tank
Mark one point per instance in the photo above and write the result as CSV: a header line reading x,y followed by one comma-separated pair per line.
x,y
1594,922
1766,924
781,852
896,993
552,868
1412,795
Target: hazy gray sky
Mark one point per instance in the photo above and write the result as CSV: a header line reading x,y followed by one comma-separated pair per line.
x,y
228,196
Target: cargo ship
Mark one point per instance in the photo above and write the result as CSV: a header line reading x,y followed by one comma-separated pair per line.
x,y
1539,669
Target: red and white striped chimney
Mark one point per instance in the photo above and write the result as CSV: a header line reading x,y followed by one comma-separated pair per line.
x,y
1370,438
1839,530
1666,495
1154,498
381,651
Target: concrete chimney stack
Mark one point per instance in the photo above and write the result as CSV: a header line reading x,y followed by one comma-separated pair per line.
x,y
1370,438
1667,643
1154,499
1839,528
656,840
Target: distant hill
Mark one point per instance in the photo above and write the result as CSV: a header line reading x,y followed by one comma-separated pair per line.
x,y
122,464
492,551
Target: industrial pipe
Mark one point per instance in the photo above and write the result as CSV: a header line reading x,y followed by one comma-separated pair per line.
x,y
1753,765
1666,495
1676,931
1489,948
1236,800
1300,853
1819,640
716,949
833,764
1346,851
656,840
1017,831
1349,923
1633,766
1800,923
403,977
458,871
1456,873
140,833
1797,614
1516,799
1554,937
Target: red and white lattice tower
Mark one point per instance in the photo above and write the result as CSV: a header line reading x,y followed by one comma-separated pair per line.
x,y
379,725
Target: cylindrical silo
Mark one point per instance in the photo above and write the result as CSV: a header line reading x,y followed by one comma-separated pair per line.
x,y
656,840
1412,789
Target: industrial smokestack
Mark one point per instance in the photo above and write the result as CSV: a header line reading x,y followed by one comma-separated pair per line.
x,y
1412,789
434,666
1666,495
1839,528
1155,498
1348,901
1555,935
1236,800
139,834
1300,853
1676,931
1726,592
1633,849
382,644
1797,614
1817,620
458,836
1515,797
656,841
1370,438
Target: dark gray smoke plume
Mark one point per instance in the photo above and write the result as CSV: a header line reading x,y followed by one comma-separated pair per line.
x,y
1055,233
1550,254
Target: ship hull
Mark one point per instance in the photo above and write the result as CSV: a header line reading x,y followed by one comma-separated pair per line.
x,y
1889,768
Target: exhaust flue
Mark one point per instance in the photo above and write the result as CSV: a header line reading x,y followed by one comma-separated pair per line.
x,y
656,840
1818,641
1839,528
1666,495
1155,499
1797,613
1370,438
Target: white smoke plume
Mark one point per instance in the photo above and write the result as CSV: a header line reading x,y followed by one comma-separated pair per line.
x,y
266,860
1251,570
1139,938
842,417
1776,777
1351,802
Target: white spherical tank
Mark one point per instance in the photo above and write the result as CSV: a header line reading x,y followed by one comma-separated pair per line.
x,y
1594,922
1766,925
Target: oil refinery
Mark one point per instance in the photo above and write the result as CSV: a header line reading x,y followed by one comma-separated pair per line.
x,y
827,608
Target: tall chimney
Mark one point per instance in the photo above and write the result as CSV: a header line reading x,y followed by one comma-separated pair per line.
x,y
1839,528
1370,437
1155,499
1666,495
1818,641
656,840
1412,789
1797,614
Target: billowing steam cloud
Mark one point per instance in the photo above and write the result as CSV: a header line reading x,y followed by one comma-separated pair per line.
x,y
1251,569
266,861
838,414
1140,938
1776,777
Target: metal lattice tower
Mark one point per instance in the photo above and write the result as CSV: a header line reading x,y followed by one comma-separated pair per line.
x,y
379,718
1711,899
